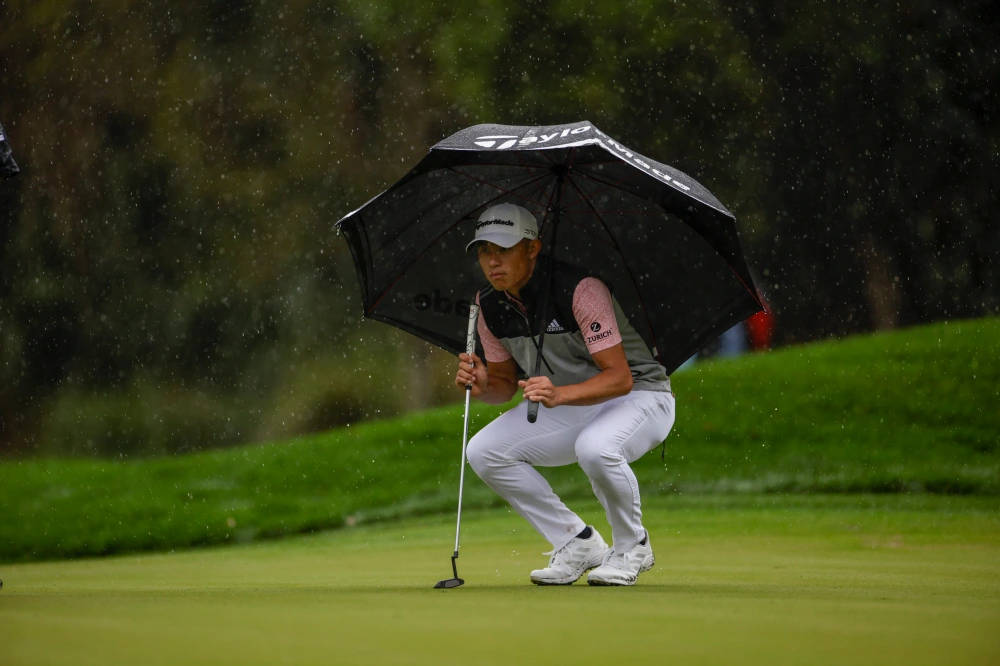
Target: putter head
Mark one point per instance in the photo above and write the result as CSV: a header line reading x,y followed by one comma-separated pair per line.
x,y
448,583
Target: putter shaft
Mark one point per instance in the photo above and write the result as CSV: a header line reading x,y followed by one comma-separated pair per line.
x,y
470,346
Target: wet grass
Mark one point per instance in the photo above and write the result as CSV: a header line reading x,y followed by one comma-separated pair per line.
x,y
911,411
749,579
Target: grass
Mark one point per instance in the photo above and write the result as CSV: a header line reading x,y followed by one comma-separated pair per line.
x,y
901,412
740,578
835,503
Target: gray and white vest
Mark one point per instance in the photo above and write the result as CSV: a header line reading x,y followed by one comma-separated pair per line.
x,y
566,359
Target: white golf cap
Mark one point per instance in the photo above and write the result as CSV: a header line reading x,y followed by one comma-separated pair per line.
x,y
506,225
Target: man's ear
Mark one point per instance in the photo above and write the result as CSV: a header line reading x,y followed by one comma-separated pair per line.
x,y
534,247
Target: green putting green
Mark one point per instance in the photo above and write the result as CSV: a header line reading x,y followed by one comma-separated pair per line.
x,y
739,579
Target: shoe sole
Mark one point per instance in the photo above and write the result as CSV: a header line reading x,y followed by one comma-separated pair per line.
x,y
610,583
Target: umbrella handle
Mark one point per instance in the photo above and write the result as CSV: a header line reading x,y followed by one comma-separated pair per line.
x,y
533,406
532,412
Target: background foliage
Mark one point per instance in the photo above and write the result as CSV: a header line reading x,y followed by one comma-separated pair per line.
x,y
170,278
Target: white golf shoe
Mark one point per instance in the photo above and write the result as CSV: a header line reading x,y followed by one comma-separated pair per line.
x,y
571,561
623,568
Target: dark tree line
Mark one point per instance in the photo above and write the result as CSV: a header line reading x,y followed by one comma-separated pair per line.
x,y
169,274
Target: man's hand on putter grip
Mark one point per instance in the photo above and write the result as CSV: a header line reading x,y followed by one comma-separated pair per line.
x,y
471,372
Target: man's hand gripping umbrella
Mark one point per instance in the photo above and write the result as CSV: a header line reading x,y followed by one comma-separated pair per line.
x,y
470,348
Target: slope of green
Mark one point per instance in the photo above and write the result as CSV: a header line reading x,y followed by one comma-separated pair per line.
x,y
907,411
739,579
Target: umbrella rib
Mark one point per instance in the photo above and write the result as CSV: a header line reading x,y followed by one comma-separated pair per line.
x,y
614,242
483,181
750,289
604,180
395,280
622,184
684,190
611,185
519,165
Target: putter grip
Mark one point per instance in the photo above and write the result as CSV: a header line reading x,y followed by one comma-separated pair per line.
x,y
470,335
532,412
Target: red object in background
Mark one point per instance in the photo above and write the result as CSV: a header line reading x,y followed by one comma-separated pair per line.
x,y
760,328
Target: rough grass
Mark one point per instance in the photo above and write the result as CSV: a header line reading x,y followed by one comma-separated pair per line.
x,y
911,411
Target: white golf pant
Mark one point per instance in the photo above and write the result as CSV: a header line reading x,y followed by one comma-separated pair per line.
x,y
603,439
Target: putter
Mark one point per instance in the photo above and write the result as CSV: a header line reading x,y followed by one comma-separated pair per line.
x,y
470,347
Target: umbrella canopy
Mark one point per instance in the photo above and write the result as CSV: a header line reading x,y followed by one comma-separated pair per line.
x,y
663,243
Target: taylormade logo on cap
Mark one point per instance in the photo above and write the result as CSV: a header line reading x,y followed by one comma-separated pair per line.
x,y
506,225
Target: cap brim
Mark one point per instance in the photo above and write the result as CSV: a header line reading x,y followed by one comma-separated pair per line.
x,y
503,240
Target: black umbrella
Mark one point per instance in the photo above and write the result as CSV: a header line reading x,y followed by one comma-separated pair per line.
x,y
663,243
8,167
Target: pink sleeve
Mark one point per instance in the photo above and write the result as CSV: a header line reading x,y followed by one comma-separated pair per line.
x,y
492,349
595,314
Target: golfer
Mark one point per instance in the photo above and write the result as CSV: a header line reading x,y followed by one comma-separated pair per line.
x,y
605,400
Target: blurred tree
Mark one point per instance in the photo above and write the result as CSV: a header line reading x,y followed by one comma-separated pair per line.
x,y
880,167
169,275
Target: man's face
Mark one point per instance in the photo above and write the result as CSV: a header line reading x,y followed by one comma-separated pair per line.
x,y
508,269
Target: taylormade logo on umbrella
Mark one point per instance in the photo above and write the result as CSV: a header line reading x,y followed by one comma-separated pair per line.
x,y
535,138
505,141
637,160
